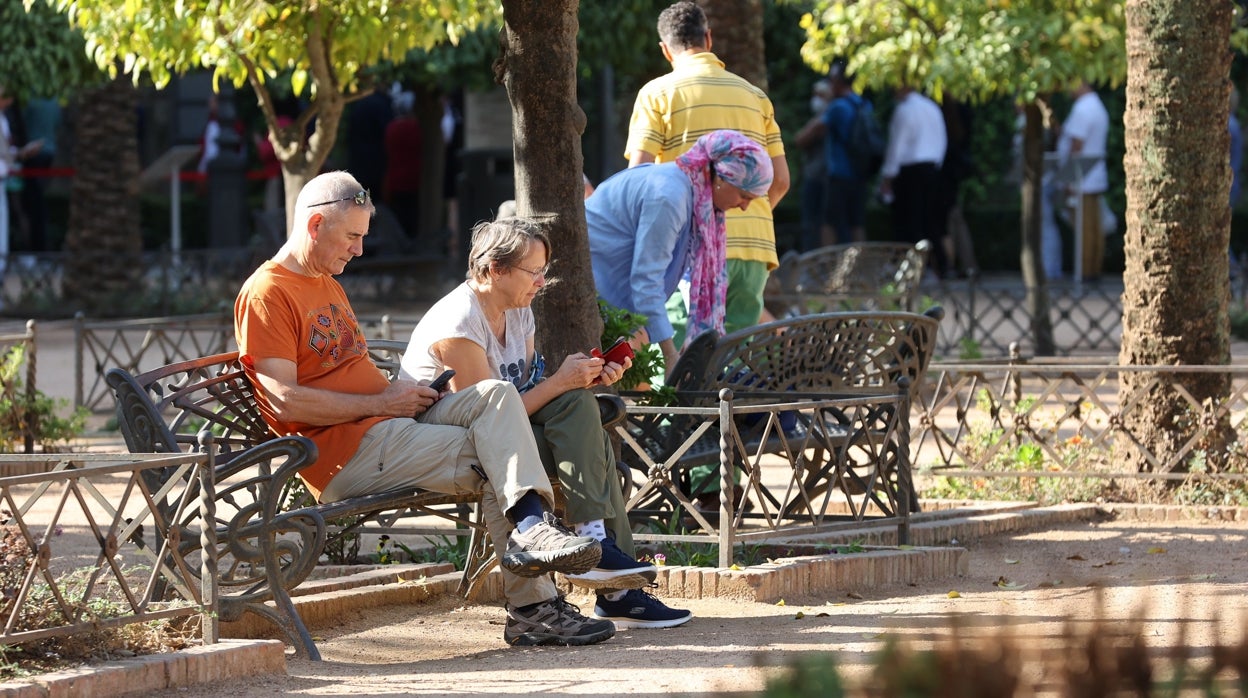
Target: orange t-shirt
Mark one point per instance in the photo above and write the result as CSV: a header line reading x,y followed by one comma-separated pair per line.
x,y
308,320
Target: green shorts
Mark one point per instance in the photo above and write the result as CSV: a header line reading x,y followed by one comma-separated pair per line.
x,y
744,307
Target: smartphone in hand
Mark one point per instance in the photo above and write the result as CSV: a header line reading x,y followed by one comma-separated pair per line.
x,y
616,353
442,381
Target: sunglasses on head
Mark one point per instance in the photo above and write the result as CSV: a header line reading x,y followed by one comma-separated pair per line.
x,y
360,198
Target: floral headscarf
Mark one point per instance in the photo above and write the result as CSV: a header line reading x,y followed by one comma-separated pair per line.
x,y
744,164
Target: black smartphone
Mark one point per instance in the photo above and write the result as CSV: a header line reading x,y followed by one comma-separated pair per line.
x,y
439,384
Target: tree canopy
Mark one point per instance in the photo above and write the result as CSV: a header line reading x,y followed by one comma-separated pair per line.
x,y
42,56
973,49
324,45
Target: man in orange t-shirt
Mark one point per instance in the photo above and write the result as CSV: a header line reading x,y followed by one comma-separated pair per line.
x,y
301,346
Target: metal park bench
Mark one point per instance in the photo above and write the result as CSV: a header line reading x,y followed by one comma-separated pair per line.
x,y
811,412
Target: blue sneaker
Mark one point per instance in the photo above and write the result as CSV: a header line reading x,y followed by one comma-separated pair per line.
x,y
639,609
615,571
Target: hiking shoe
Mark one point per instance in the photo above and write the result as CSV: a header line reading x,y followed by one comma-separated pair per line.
x,y
550,547
554,622
639,609
615,570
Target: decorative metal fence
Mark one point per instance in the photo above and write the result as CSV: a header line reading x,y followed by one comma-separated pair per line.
x,y
984,316
1054,418
87,544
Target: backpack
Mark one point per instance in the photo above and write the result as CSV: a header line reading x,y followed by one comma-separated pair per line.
x,y
865,143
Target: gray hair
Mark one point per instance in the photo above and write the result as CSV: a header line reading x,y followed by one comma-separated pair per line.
x,y
330,192
503,242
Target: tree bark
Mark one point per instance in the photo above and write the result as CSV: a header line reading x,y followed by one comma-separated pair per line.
x,y
737,37
1178,222
538,68
103,245
1029,254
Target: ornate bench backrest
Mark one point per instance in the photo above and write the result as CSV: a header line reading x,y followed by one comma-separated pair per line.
x,y
840,353
854,276
166,409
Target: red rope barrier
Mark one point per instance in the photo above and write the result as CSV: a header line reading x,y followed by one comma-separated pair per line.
x,y
187,176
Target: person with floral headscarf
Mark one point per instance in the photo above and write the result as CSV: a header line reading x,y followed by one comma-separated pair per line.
x,y
651,226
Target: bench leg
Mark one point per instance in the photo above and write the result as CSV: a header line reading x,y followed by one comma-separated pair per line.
x,y
286,617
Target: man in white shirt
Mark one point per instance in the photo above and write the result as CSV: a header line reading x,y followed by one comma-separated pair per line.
x,y
910,177
1084,134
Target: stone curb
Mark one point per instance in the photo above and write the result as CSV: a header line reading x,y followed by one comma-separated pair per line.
x,y
228,659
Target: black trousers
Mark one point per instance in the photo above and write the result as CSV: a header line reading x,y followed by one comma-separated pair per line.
x,y
918,209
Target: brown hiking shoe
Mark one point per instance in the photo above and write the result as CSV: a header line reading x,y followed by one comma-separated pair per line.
x,y
554,622
550,547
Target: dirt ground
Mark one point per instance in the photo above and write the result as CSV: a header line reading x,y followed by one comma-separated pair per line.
x,y
1185,581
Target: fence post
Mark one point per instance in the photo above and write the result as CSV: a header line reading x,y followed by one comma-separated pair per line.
x,y
80,322
31,416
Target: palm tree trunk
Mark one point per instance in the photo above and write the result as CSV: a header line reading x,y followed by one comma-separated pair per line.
x,y
1178,222
103,244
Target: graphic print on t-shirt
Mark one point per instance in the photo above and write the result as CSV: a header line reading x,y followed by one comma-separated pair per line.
x,y
334,333
514,372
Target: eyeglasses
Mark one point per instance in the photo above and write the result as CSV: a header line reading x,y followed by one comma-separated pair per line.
x,y
360,198
534,272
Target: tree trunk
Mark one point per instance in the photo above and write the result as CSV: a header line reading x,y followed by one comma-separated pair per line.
x,y
103,246
737,37
1029,254
538,68
1178,222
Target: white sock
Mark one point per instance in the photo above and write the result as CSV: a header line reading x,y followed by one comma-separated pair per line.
x,y
595,529
615,595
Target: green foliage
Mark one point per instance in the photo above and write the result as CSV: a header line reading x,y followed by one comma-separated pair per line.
x,y
236,38
647,362
37,414
452,549
41,610
973,49
42,56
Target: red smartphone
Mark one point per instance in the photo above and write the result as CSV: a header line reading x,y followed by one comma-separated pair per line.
x,y
616,353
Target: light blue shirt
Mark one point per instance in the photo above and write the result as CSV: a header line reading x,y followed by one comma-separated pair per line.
x,y
639,240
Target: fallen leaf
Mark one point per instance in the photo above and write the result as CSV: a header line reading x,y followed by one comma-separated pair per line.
x,y
1156,551
799,616
1004,583
780,602
1076,556
890,611
1010,561
823,614
954,595
735,566
853,595
872,636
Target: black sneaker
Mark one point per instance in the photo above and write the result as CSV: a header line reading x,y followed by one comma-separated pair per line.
x,y
615,571
550,547
554,622
639,609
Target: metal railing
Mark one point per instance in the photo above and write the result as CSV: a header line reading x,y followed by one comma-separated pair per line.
x,y
1060,418
89,546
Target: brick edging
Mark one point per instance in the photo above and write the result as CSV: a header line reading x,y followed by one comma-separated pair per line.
x,y
228,659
